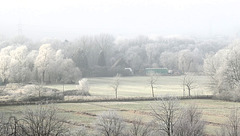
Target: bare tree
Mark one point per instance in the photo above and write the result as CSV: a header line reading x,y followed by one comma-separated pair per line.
x,y
231,127
39,88
9,126
42,122
139,128
190,123
115,84
39,122
109,123
152,82
166,114
189,82
81,132
4,68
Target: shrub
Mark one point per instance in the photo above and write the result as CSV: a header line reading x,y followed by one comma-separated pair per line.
x,y
83,87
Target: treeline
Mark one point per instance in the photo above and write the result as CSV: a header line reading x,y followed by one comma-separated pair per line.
x,y
56,61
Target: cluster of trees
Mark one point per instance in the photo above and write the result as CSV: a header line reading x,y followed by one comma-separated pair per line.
x,y
224,69
46,65
52,60
178,54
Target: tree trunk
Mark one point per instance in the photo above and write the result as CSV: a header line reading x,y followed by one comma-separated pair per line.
x,y
116,93
189,91
63,87
152,90
184,85
43,76
5,81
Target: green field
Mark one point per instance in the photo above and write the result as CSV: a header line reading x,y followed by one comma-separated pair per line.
x,y
139,86
214,112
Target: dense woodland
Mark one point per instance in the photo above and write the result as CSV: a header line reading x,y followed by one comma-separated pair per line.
x,y
57,61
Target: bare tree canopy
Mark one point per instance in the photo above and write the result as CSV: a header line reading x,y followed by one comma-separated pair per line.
x,y
173,120
153,83
188,82
109,123
166,113
42,121
115,84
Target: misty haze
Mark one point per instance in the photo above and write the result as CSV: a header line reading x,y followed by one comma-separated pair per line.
x,y
120,68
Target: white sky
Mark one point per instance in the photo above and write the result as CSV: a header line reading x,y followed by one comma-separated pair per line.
x,y
67,19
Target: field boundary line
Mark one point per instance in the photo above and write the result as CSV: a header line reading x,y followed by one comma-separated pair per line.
x,y
123,99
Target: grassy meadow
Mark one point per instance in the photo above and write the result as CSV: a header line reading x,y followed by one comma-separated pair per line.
x,y
140,87
214,112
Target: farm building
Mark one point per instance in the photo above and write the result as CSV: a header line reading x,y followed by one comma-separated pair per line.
x,y
157,71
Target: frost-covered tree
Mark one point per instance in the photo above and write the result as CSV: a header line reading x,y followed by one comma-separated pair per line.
x,y
135,57
44,61
51,66
69,72
214,67
20,71
4,68
30,63
224,70
169,60
5,60
185,60
64,70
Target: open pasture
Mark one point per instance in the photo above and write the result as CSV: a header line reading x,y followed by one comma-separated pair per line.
x,y
140,87
214,112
